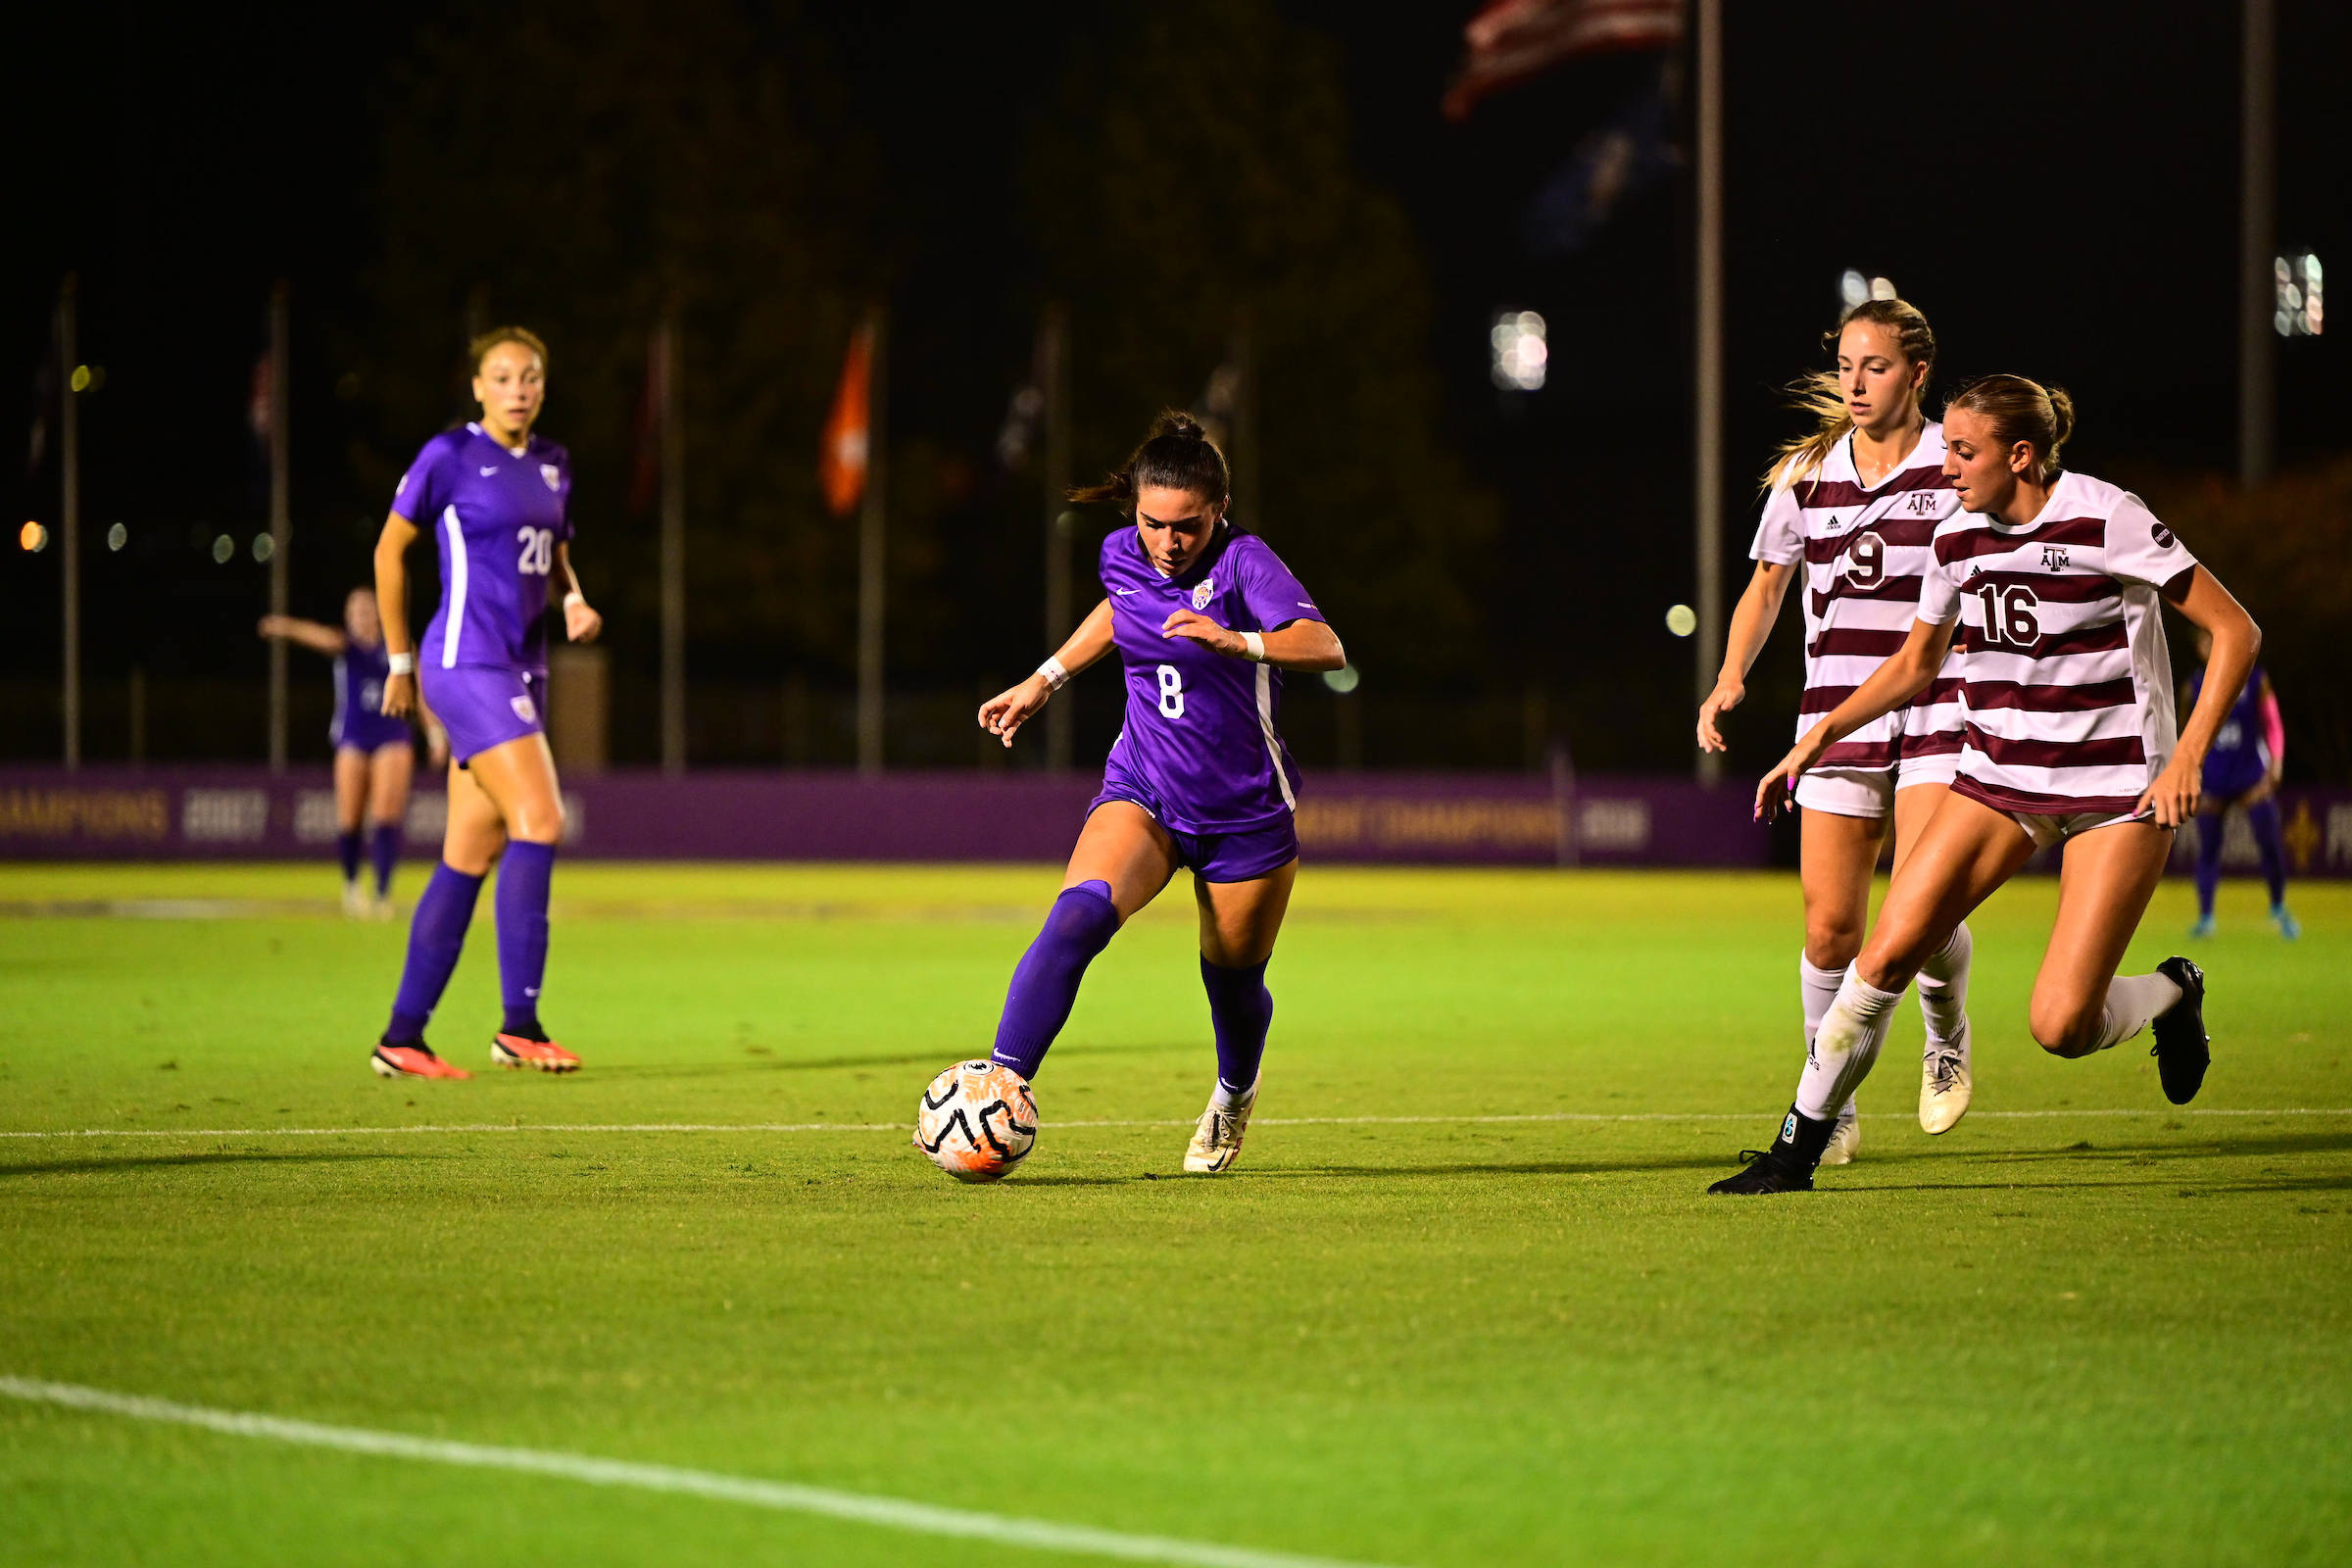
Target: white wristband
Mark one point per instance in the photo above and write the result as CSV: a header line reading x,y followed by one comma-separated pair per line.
x,y
401,664
1056,677
1253,647
575,597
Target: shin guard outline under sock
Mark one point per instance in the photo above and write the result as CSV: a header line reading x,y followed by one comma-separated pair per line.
x,y
1845,1048
436,935
1944,987
1044,983
1816,988
1242,1009
524,871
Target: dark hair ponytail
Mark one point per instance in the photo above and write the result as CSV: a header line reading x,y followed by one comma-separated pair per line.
x,y
1177,455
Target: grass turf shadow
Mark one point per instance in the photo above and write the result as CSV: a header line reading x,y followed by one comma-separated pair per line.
x,y
127,1162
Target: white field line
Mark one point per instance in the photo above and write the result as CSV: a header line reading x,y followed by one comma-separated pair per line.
x,y
1262,1121
890,1513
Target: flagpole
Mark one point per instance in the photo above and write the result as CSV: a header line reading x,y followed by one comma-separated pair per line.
x,y
672,438
68,527
1709,381
281,517
871,543
2257,287
1054,382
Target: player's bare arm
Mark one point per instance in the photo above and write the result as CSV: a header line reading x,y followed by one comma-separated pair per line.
x,y
1308,645
1752,621
2173,798
316,636
392,602
1906,673
582,623
1004,713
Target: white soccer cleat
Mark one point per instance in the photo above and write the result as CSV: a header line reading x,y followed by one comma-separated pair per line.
x,y
1846,1138
355,902
1218,1142
1945,1083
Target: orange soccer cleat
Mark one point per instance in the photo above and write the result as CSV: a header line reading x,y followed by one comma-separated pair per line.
x,y
412,1062
520,1051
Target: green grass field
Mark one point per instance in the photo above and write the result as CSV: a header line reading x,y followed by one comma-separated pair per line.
x,y
2058,1335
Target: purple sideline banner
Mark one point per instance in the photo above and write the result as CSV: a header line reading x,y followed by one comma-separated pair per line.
x,y
235,813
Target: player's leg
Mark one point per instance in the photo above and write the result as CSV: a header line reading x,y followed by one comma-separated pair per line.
x,y
2262,817
391,770
475,835
520,777
1239,920
2080,1006
351,808
1838,848
2212,815
1965,851
1946,1072
1122,861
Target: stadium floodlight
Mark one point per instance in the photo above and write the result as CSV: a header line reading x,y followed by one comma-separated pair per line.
x,y
1520,351
224,547
1681,620
116,537
2301,309
1854,288
1344,679
33,537
263,546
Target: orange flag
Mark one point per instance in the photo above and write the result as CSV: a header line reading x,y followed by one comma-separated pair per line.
x,y
841,463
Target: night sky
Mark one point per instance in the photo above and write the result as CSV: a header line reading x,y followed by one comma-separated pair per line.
x,y
2054,184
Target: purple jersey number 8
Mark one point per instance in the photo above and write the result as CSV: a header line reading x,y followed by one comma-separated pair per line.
x,y
1172,690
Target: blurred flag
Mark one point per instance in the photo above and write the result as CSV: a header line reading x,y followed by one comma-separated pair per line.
x,y
841,463
1621,156
1511,40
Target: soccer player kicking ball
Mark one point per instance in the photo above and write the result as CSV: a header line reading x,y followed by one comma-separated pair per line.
x,y
498,502
1204,617
2050,583
1851,511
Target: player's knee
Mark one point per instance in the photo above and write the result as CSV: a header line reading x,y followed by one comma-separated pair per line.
x,y
1832,942
2065,1028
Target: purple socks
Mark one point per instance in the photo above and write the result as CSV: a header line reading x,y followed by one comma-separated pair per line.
x,y
1044,983
435,937
1243,1009
2262,817
346,854
523,873
383,847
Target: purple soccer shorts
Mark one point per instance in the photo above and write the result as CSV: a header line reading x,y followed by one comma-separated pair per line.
x,y
482,706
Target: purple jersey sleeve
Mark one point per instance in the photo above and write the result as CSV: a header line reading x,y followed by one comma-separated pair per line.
x,y
425,489
1269,593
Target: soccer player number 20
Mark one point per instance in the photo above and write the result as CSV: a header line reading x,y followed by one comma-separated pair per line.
x,y
538,551
1172,690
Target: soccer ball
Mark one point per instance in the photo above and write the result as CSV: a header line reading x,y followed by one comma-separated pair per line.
x,y
976,1122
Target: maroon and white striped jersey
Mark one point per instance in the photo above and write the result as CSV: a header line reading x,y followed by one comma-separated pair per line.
x,y
1865,554
2064,669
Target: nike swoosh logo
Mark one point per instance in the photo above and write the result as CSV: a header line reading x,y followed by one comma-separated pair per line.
x,y
1123,592
487,472
1304,605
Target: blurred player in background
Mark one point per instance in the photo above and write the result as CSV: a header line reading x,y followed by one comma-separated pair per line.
x,y
1204,618
2241,772
2051,582
1850,511
498,502
374,755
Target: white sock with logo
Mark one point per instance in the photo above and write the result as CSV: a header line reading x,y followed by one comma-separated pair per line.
x,y
2132,1001
1818,987
1944,987
1845,1045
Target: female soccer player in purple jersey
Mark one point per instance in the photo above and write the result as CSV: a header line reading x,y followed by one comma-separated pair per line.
x,y
1203,615
1850,513
2241,772
497,501
374,755
2051,583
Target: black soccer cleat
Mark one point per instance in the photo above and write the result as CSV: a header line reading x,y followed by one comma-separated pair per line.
x,y
2180,1049
1768,1171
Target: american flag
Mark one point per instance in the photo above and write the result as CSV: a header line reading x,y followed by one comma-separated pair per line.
x,y
1511,40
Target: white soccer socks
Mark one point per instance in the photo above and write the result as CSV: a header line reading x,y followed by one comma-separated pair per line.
x,y
1819,988
1845,1046
1944,987
2132,1001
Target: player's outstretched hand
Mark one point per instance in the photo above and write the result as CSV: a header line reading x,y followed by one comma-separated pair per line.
x,y
400,696
2172,801
1202,630
1777,792
1726,695
1006,713
582,623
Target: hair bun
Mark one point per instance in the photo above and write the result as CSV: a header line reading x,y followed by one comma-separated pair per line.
x,y
1177,423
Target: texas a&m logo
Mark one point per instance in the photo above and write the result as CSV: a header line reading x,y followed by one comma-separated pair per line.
x,y
1920,503
2054,557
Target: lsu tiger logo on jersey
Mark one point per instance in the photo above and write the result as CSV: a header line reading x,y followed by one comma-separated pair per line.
x,y
1202,595
523,710
552,474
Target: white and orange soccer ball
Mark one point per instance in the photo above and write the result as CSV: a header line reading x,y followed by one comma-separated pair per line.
x,y
977,1121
